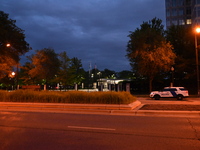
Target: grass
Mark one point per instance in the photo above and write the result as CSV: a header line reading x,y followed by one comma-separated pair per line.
x,y
67,97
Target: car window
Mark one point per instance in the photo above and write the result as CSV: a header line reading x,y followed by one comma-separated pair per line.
x,y
173,89
166,90
183,89
170,89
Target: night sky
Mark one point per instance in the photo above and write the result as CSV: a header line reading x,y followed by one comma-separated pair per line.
x,y
94,31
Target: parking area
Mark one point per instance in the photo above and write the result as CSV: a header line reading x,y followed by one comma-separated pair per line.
x,y
189,101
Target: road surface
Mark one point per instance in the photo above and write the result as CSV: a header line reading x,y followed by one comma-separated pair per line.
x,y
63,131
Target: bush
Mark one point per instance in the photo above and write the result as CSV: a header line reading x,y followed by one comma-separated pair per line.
x,y
67,97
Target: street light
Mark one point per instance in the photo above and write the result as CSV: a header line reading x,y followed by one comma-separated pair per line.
x,y
8,45
172,80
197,58
12,75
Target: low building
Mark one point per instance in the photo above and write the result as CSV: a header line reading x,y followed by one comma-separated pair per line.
x,y
113,84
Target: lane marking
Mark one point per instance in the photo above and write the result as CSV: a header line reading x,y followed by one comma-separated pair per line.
x,y
91,128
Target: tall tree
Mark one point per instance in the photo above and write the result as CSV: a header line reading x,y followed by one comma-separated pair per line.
x,y
182,39
46,64
78,70
148,51
24,73
64,75
15,37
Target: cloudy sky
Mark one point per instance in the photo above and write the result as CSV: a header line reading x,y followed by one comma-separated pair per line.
x,y
94,31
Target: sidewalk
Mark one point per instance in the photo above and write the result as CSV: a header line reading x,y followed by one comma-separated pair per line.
x,y
133,109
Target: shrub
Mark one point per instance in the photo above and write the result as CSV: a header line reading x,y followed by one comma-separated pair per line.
x,y
67,97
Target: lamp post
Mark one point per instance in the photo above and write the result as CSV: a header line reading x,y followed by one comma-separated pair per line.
x,y
9,45
172,80
197,58
12,75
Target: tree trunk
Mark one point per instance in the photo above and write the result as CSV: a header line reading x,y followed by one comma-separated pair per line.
x,y
45,87
150,83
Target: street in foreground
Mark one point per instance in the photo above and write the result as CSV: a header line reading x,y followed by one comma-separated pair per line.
x,y
61,131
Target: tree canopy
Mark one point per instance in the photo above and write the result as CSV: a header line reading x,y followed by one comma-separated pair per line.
x,y
148,51
15,37
45,64
182,39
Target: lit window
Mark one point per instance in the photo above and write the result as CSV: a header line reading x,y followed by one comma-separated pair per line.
x,y
189,21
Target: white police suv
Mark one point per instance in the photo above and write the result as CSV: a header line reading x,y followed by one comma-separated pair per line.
x,y
176,92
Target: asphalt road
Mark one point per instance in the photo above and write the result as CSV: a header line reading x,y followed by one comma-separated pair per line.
x,y
64,131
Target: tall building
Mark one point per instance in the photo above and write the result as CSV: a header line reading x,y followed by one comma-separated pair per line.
x,y
182,12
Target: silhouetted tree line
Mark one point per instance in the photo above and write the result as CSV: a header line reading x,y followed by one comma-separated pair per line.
x,y
158,57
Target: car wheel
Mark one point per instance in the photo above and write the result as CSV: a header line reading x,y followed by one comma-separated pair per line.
x,y
156,97
179,97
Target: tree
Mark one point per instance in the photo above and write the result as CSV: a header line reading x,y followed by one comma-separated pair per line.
x,y
108,74
78,70
64,75
182,39
125,74
148,51
24,73
45,65
15,37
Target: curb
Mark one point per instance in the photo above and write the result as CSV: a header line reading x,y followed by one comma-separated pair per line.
x,y
132,109
42,106
168,113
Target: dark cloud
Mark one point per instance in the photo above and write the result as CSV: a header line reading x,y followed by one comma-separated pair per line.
x,y
95,31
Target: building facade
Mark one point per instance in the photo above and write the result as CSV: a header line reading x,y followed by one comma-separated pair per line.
x,y
182,12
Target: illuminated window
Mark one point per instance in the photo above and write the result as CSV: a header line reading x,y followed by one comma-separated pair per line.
x,y
189,21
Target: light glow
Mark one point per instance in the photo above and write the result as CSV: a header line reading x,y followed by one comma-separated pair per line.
x,y
8,45
198,30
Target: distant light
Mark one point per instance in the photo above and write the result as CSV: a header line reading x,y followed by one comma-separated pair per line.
x,y
13,73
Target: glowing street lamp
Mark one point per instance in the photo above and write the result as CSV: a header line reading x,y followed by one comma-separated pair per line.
x,y
198,30
197,58
13,73
8,45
